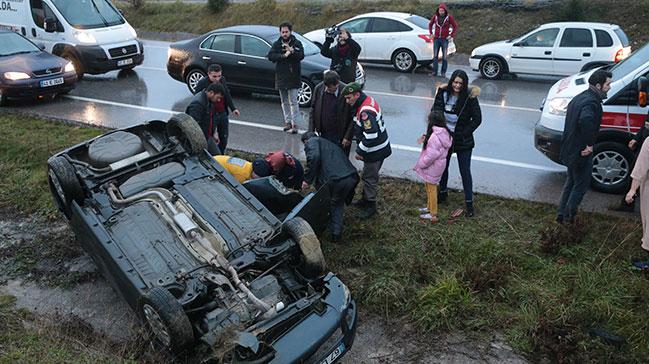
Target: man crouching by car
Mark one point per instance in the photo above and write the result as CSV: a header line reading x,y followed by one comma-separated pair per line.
x,y
344,55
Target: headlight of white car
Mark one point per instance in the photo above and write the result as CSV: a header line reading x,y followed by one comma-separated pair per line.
x,y
15,76
85,37
559,105
69,67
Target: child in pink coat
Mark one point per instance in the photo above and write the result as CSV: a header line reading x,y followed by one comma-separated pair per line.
x,y
432,160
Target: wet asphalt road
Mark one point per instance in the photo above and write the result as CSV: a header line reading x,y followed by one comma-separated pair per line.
x,y
505,162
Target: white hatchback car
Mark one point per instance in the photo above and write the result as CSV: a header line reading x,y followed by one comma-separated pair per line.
x,y
560,49
399,39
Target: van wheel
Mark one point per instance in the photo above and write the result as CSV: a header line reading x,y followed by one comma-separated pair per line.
x,y
611,167
75,62
492,68
313,260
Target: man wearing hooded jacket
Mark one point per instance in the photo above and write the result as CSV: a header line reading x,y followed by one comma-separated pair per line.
x,y
442,28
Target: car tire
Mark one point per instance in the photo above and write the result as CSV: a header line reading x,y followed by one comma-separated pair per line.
x,y
612,165
64,184
78,67
305,93
165,317
193,77
314,264
492,68
3,99
190,135
404,60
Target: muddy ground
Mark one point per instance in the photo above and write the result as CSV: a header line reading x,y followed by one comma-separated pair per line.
x,y
44,267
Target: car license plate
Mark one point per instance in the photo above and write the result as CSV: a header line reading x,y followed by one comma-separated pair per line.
x,y
124,62
52,82
334,354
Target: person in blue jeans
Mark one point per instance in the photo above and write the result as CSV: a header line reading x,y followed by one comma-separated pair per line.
x,y
442,28
583,119
461,109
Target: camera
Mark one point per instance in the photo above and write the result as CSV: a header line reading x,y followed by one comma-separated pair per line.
x,y
332,32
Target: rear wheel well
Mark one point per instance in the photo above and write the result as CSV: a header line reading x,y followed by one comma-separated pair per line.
x,y
501,58
615,136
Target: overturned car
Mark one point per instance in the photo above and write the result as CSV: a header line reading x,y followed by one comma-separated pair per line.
x,y
196,254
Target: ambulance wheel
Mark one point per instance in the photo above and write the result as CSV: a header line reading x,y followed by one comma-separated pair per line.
x,y
612,164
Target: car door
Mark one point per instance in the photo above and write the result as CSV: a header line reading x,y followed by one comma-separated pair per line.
x,y
382,36
533,54
575,49
358,28
255,70
219,48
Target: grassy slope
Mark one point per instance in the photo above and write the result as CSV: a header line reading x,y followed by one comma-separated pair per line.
x,y
488,273
477,26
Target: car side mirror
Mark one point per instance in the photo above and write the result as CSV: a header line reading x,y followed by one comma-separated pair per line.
x,y
643,89
520,44
50,25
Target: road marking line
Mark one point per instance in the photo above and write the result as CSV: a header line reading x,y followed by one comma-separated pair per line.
x,y
151,68
407,148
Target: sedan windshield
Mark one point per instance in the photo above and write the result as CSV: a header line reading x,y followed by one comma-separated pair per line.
x,y
309,47
13,43
88,14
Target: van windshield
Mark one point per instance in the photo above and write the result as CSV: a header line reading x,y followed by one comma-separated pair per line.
x,y
635,60
89,14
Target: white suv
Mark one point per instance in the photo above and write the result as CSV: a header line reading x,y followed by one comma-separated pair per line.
x,y
560,49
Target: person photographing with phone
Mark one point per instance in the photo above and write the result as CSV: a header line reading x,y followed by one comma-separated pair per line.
x,y
343,55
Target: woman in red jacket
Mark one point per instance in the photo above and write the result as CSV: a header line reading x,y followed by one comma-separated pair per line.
x,y
442,27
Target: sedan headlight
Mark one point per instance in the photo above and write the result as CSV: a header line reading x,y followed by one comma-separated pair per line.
x,y
559,105
15,76
69,67
473,52
85,37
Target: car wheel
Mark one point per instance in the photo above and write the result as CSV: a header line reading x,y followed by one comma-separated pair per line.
x,y
165,317
3,98
611,167
313,260
190,135
78,67
193,77
64,184
492,68
404,60
305,93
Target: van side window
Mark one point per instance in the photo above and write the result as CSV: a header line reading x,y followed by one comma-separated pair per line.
x,y
603,38
628,95
40,12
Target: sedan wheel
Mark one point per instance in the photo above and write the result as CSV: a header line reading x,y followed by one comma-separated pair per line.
x,y
404,60
491,68
157,326
193,77
305,93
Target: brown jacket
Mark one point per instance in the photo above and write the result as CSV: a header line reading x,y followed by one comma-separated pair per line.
x,y
345,126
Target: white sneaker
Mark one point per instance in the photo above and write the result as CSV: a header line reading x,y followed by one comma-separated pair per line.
x,y
423,209
426,216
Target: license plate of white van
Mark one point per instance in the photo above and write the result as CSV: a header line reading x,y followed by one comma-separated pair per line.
x,y
124,62
52,82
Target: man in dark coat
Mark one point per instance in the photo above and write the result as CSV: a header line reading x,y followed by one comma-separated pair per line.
x,y
326,163
204,108
330,115
287,53
344,55
583,119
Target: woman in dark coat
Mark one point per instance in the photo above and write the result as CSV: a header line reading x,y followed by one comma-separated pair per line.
x,y
463,116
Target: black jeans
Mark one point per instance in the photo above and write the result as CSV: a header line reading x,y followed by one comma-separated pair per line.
x,y
464,162
221,124
575,188
339,190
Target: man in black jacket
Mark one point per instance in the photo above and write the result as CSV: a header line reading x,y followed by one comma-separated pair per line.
x,y
326,163
204,109
330,116
344,55
583,119
287,53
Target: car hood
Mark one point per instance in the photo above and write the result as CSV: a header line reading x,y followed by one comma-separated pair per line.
x,y
30,62
316,62
499,46
116,34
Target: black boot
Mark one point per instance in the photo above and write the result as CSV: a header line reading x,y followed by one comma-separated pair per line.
x,y
442,196
469,209
360,203
369,210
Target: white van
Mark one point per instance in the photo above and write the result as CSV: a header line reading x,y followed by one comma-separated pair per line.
x,y
92,34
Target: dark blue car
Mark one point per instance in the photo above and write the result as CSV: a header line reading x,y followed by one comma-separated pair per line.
x,y
26,71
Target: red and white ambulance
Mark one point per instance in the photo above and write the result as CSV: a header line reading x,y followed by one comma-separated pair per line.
x,y
612,159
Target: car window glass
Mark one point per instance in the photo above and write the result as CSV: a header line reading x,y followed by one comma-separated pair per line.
x,y
252,46
542,38
223,43
631,63
207,43
380,25
419,21
576,38
603,38
40,12
623,38
356,25
85,14
13,43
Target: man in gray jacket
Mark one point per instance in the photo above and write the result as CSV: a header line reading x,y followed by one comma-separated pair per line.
x,y
327,164
330,116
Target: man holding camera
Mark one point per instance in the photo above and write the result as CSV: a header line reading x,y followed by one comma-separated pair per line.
x,y
344,55
287,53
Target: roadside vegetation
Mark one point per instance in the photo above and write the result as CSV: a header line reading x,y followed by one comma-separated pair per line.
x,y
479,24
558,294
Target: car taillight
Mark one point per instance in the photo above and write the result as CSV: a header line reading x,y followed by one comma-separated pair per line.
x,y
427,38
619,55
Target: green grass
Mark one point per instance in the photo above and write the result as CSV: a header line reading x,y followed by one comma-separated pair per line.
x,y
476,26
477,275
